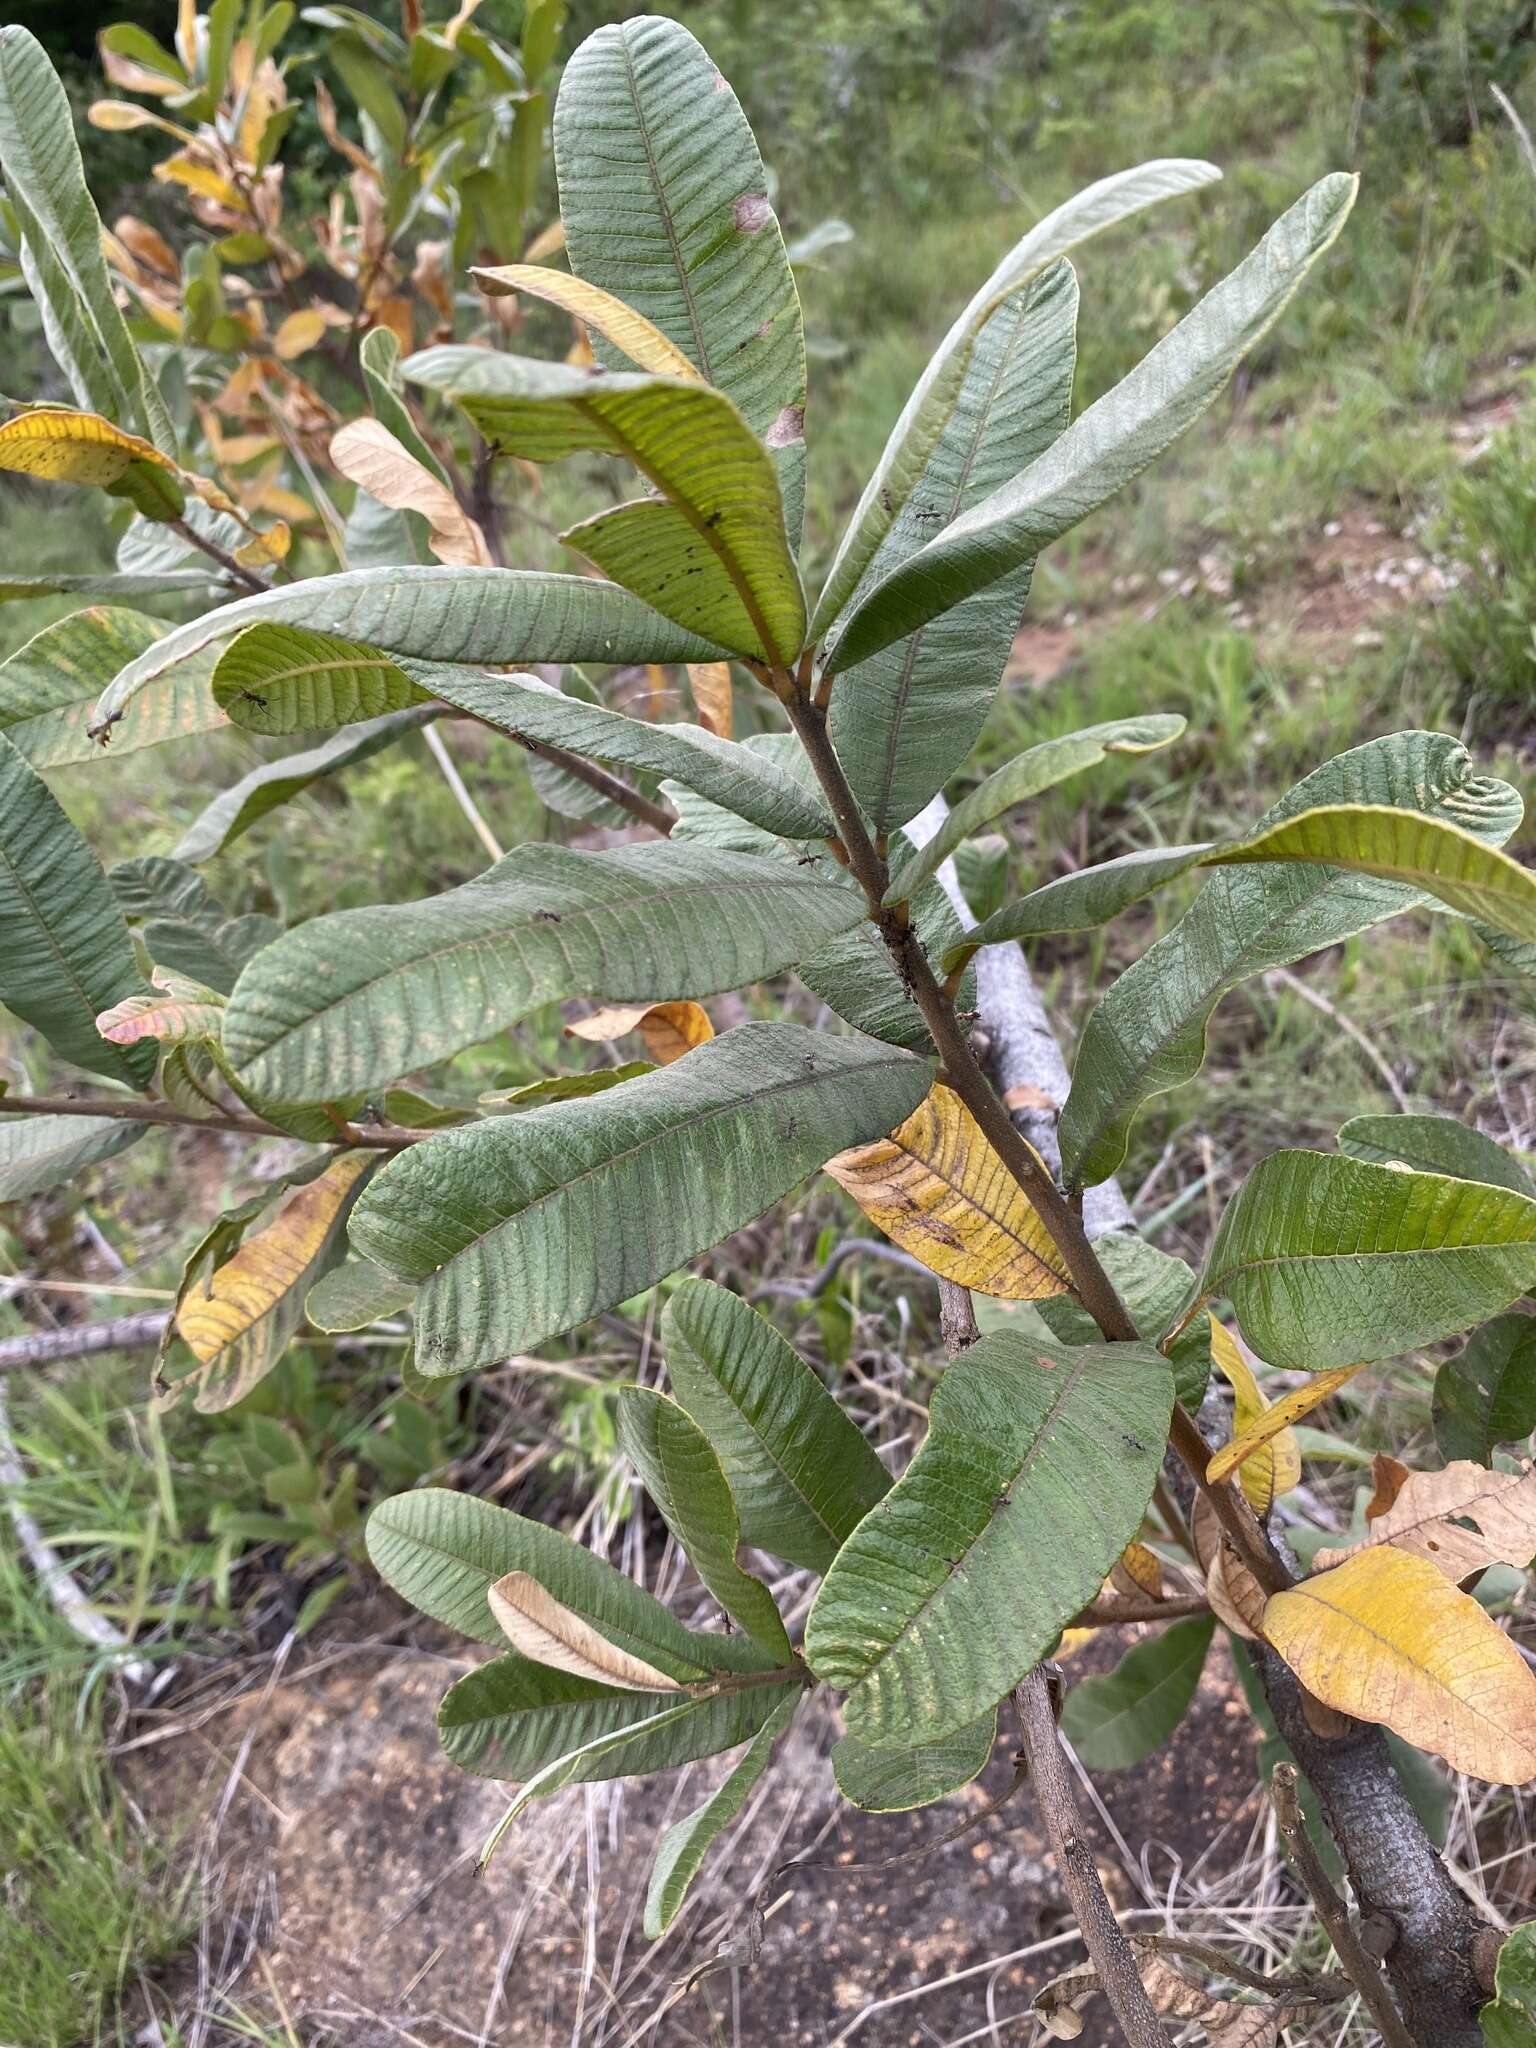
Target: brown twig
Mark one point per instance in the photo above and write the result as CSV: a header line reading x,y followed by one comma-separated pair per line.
x,y
1362,1970
1121,1613
1103,1936
368,1137
215,553
84,1340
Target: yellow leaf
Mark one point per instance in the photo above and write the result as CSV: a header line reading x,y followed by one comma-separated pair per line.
x,y
1271,1421
711,685
150,248
199,179
1429,1515
1386,1638
263,548
668,1029
134,77
629,332
368,454
299,333
117,117
1141,1570
936,1188
83,448
224,1321
1275,1466
539,1626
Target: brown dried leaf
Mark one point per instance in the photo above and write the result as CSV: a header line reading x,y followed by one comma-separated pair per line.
x,y
1426,1518
667,1029
539,1626
368,454
711,685
1387,1477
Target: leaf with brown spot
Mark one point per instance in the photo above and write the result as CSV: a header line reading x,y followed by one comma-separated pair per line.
x,y
937,1189
368,455
1386,1638
1275,1421
1427,1517
83,448
539,1626
1274,1466
176,1011
668,1030
1138,1570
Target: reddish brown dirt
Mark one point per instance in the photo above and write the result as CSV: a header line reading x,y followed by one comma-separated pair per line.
x,y
357,1839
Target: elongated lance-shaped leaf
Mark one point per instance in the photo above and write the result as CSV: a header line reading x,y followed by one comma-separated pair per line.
x,y
745,781
680,1471
439,613
363,996
665,204
935,396
1273,1465
1148,1033
1038,768
522,1228
444,1551
681,1852
1113,441
1079,902
42,1152
237,809
802,1474
904,721
1426,854
1038,1464
48,688
1262,1427
1328,1261
897,1780
538,1625
625,330
1118,1718
379,359
726,570
65,953
1486,1395
511,1718
61,244
105,583
1434,1144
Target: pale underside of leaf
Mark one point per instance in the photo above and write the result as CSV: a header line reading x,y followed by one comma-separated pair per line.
x,y
537,1625
628,331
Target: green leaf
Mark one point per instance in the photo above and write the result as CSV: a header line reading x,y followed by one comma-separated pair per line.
x,y
184,928
679,1470
1148,1033
1081,901
1119,1718
443,614
802,1474
1434,1144
364,996
48,686
1486,1395
897,1780
61,245
105,583
1510,2021
444,1551
1425,854
276,680
1328,1261
65,953
379,359
903,720
937,394
355,1295
236,809
664,199
523,1227
857,978
683,1848
1038,768
1037,1467
1110,443
42,1152
511,1718
749,783
713,557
